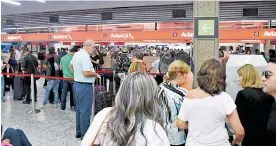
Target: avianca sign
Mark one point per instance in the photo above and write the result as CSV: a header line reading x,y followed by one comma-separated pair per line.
x,y
270,33
14,38
186,34
58,36
121,36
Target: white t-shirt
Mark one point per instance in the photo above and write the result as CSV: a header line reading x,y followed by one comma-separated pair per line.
x,y
155,65
206,119
104,140
17,55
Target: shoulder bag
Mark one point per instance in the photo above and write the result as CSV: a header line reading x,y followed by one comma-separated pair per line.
x,y
92,144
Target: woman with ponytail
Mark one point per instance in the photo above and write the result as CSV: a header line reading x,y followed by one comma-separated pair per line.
x,y
171,96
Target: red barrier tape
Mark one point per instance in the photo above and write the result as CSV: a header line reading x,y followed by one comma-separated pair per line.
x,y
56,78
99,71
13,74
60,78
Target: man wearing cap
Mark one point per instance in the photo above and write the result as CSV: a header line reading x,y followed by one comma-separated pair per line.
x,y
66,84
29,66
84,77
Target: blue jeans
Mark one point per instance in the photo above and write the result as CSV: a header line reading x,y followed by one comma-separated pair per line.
x,y
51,84
83,94
66,86
17,137
2,87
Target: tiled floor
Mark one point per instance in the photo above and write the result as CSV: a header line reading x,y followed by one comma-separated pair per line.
x,y
50,127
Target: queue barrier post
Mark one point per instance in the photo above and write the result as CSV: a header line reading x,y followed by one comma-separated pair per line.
x,y
33,110
114,83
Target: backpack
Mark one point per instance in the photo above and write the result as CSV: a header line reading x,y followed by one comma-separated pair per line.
x,y
52,68
41,55
171,56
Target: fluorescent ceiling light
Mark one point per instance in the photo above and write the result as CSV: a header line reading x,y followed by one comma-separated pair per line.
x,y
11,2
42,1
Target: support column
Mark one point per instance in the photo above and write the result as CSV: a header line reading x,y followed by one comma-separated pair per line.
x,y
268,46
206,26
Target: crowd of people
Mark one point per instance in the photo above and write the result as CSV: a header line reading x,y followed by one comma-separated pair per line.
x,y
151,112
271,53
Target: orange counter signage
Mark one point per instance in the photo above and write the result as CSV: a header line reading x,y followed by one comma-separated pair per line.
x,y
181,35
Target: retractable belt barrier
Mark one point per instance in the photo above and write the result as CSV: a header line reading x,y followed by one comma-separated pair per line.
x,y
34,110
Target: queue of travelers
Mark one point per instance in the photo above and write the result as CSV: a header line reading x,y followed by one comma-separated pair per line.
x,y
171,113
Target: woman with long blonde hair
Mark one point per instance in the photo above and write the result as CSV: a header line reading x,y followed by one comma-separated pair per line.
x,y
137,67
253,106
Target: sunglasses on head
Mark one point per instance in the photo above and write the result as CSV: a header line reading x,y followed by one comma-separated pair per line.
x,y
265,74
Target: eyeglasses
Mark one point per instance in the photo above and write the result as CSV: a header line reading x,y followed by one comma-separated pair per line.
x,y
265,74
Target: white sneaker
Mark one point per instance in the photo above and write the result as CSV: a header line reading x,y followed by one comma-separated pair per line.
x,y
43,107
54,105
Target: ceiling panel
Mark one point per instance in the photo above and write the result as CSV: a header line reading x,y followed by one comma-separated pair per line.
x,y
50,6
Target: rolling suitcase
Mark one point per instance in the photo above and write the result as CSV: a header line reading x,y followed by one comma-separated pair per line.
x,y
104,98
19,88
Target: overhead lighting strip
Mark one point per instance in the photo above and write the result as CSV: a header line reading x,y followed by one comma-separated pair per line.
x,y
11,2
42,1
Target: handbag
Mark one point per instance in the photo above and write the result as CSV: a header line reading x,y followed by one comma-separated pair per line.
x,y
92,144
36,71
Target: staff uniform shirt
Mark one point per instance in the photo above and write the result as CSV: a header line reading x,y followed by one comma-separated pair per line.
x,y
81,62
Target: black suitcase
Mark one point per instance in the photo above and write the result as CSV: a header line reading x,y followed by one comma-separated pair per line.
x,y
104,99
19,88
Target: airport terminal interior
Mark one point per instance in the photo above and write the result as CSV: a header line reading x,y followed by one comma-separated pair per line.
x,y
125,73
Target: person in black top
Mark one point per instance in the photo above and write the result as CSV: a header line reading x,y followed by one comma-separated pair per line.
x,y
269,80
62,52
271,53
101,62
95,59
253,106
29,66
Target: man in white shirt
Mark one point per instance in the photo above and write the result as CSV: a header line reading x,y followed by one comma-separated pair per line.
x,y
17,55
84,77
155,64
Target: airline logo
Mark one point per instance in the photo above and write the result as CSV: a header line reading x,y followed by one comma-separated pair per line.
x,y
14,37
188,34
121,36
270,33
59,36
